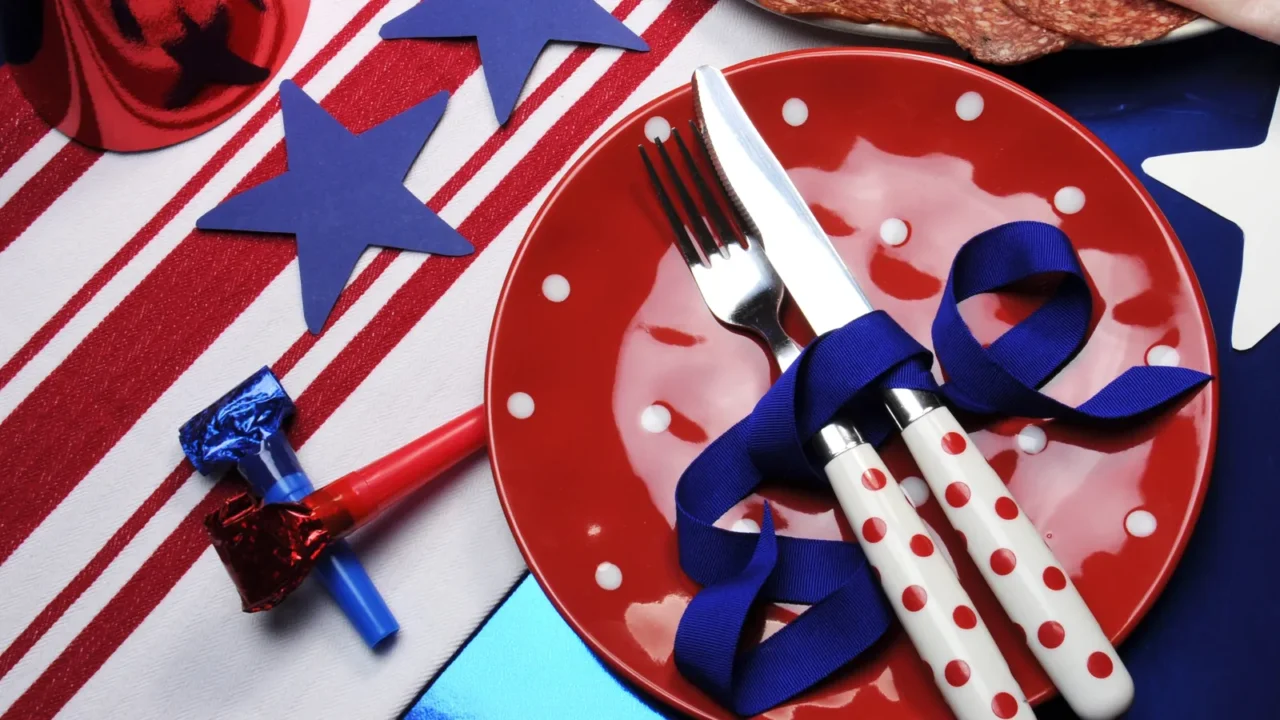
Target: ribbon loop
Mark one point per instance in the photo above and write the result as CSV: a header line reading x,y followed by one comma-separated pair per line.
x,y
1004,378
843,372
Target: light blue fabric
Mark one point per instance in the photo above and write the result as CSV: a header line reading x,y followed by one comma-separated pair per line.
x,y
527,664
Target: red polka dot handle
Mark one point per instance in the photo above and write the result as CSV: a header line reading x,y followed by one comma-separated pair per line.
x,y
1021,570
923,590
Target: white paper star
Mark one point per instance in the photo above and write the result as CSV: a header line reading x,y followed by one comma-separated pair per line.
x,y
1240,185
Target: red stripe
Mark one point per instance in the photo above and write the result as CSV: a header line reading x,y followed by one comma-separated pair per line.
x,y
81,659
172,316
131,605
38,193
87,575
40,625
20,127
144,236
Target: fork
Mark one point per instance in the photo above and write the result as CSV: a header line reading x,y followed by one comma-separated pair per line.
x,y
737,282
744,292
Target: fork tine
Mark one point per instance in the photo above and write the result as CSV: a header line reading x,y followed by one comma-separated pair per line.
x,y
683,242
733,211
723,228
700,229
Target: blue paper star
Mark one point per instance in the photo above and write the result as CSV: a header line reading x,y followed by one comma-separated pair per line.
x,y
341,194
511,35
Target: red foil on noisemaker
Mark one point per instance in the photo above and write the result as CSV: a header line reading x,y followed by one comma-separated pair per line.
x,y
267,549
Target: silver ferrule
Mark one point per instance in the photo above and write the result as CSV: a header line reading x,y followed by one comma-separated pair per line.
x,y
908,406
834,440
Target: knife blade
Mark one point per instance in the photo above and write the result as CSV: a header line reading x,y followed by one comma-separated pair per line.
x,y
1008,550
759,187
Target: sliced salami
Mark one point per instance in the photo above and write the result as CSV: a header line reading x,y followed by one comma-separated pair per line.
x,y
1113,23
988,29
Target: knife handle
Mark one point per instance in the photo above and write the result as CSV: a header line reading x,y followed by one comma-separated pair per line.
x,y
1026,578
923,590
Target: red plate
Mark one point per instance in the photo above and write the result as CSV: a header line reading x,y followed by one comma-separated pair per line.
x,y
628,377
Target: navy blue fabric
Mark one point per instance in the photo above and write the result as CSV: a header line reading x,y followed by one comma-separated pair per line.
x,y
1200,652
842,373
1002,379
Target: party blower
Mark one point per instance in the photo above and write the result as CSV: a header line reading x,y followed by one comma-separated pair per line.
x,y
270,545
244,428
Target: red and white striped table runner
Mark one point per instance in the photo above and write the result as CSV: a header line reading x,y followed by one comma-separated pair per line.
x,y
118,320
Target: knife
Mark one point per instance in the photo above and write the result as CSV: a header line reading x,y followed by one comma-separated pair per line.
x,y
1006,547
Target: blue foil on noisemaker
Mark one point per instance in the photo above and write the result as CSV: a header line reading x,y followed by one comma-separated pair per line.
x,y
237,424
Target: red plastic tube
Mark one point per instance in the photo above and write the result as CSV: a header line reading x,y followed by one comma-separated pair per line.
x,y
357,497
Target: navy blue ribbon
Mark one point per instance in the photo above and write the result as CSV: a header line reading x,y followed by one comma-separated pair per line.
x,y
844,371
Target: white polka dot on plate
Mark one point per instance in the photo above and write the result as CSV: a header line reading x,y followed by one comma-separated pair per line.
x,y
555,288
894,232
916,490
1164,356
795,112
1069,200
655,418
608,576
1140,523
969,106
657,129
745,525
1032,439
520,405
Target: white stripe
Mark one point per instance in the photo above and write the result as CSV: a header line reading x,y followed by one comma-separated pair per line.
x,y
121,192
442,562
30,163
100,592
111,490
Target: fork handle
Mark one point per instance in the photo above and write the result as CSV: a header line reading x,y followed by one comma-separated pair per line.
x,y
1013,558
785,350
922,588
